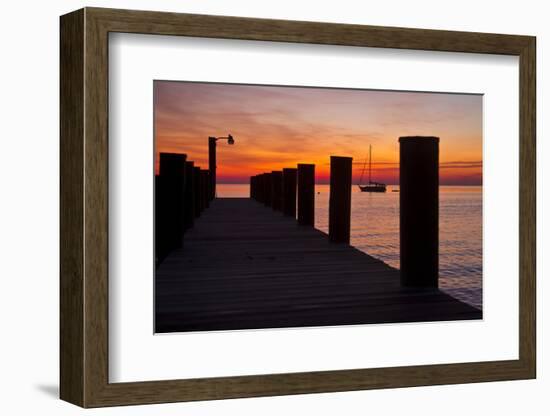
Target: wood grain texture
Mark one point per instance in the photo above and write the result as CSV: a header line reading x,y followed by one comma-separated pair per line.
x,y
84,213
246,266
96,281
72,368
226,27
527,208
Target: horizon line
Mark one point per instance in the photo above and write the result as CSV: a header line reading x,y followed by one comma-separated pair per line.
x,y
388,184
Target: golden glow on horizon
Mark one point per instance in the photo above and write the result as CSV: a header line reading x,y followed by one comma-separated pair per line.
x,y
277,127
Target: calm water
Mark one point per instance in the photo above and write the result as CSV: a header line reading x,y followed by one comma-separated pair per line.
x,y
375,230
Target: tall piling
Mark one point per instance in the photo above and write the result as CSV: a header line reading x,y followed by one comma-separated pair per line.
x,y
189,196
198,189
340,199
212,167
207,188
170,209
161,227
267,189
419,210
289,192
277,190
306,194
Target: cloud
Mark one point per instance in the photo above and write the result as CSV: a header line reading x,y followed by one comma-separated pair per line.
x,y
281,126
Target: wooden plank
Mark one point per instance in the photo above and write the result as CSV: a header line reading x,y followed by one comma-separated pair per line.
x,y
245,266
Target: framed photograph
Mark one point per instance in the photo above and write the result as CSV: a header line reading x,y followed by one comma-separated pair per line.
x,y
254,207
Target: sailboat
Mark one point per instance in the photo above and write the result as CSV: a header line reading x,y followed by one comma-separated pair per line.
x,y
371,186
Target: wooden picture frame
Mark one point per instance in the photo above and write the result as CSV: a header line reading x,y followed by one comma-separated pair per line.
x,y
84,207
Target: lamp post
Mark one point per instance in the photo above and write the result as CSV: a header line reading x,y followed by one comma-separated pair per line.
x,y
212,160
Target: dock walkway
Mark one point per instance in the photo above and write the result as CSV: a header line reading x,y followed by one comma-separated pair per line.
x,y
246,266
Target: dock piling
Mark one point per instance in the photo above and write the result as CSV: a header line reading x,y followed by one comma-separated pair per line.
x,y
161,224
197,186
277,190
206,189
289,192
306,194
259,189
189,197
340,199
267,189
261,193
419,210
171,194
212,167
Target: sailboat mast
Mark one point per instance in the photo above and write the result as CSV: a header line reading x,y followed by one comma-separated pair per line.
x,y
370,152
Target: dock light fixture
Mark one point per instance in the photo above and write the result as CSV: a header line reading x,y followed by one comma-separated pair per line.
x,y
212,160
229,138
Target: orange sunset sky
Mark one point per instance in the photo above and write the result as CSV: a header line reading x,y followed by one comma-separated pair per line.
x,y
276,127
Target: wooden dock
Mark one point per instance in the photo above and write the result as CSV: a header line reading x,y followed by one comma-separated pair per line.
x,y
244,266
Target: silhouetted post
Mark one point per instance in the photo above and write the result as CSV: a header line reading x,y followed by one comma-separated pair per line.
x,y
202,186
198,190
277,190
289,192
419,210
172,164
206,191
267,189
306,194
212,166
161,226
252,187
339,218
257,180
261,186
189,206
172,172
